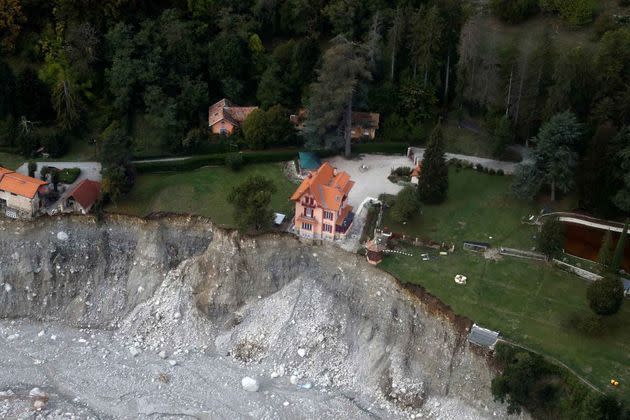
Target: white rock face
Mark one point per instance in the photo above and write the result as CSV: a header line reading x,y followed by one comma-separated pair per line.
x,y
249,384
301,352
13,337
37,393
162,354
293,379
62,236
134,351
172,362
7,287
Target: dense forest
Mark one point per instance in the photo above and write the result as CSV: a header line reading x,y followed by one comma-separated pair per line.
x,y
139,75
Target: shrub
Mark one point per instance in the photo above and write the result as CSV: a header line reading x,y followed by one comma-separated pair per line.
x,y
406,205
551,237
492,171
402,171
588,324
574,12
234,161
479,167
32,168
69,175
605,296
500,172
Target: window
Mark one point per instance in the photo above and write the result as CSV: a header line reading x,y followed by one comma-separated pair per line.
x,y
308,212
328,215
307,226
327,228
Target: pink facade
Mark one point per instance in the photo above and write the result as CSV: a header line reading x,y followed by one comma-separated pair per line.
x,y
321,204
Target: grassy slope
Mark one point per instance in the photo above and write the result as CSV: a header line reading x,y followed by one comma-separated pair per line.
x,y
527,301
202,192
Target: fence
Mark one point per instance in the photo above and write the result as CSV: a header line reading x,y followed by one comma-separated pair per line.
x,y
585,274
519,253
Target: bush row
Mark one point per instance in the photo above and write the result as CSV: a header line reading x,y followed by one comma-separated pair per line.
x,y
217,159
465,164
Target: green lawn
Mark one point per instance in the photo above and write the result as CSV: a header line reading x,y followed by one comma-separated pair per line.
x,y
479,207
529,302
203,192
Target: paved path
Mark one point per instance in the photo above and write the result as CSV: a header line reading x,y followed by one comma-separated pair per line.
x,y
168,159
507,167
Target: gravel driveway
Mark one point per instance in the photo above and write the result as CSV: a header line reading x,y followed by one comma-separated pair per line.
x,y
372,182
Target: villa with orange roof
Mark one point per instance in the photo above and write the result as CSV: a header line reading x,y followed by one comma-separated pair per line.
x,y
224,117
20,195
321,204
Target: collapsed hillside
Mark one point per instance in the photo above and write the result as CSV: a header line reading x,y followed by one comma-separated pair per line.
x,y
323,332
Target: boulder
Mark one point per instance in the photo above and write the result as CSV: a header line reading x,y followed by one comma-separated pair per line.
x,y
249,384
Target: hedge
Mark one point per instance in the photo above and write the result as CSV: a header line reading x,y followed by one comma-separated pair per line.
x,y
218,159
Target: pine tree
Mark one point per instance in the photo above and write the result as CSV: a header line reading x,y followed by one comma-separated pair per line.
x,y
605,252
433,182
621,245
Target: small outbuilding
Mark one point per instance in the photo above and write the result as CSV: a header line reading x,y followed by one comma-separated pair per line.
x,y
476,246
483,337
82,197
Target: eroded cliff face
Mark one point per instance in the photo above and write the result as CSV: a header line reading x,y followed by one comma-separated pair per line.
x,y
273,306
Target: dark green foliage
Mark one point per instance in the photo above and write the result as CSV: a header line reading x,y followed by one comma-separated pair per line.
x,y
622,171
587,323
514,10
271,128
502,135
615,263
556,153
251,201
433,180
605,296
551,237
114,153
523,381
406,205
234,161
574,12
597,181
545,390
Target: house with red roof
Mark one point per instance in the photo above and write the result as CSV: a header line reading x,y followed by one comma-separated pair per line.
x,y
20,195
321,204
224,117
82,197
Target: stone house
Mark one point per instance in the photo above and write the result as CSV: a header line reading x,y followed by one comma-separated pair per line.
x,y
20,195
321,204
224,117
82,197
363,126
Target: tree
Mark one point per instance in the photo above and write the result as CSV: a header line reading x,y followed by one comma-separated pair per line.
x,y
433,180
251,201
32,168
406,205
263,128
551,237
604,257
11,20
605,295
556,155
617,258
332,95
425,38
514,11
114,152
501,136
622,197
394,36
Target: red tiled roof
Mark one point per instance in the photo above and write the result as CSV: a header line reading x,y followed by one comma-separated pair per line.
x,y
19,184
86,193
225,110
326,187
